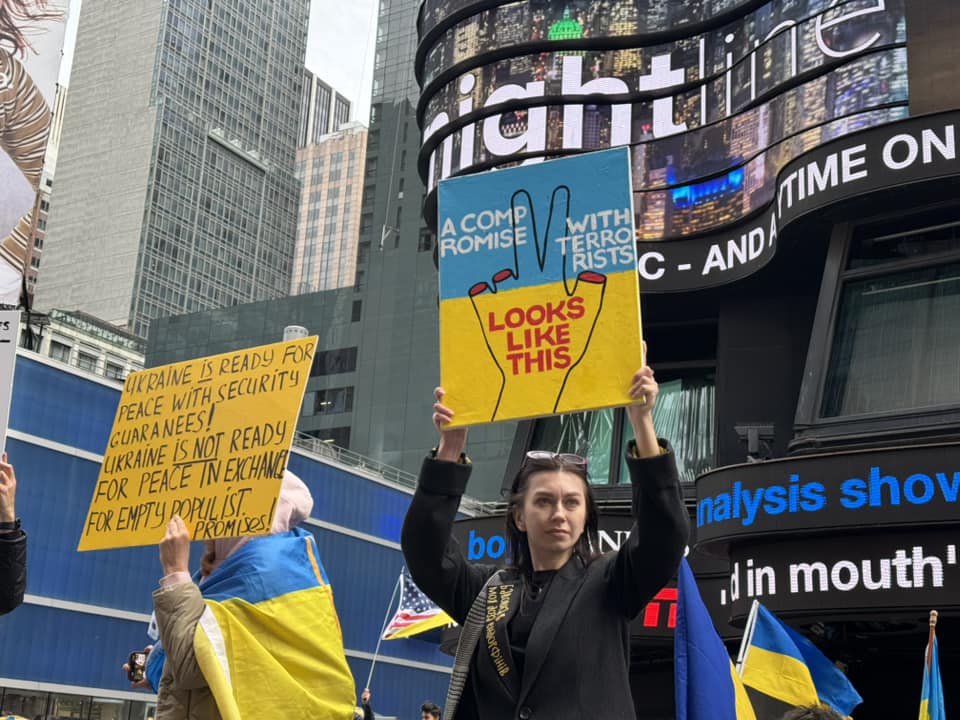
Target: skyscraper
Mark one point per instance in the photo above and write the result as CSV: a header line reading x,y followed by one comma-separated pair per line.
x,y
396,279
331,173
42,208
371,386
323,110
176,187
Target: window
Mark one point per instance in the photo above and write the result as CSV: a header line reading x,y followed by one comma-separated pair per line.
x,y
86,361
306,408
48,705
331,362
588,433
896,321
363,252
69,706
685,415
885,350
356,311
25,702
332,401
426,241
60,351
339,436
366,223
113,371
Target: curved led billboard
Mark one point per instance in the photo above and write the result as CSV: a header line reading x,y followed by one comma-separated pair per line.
x,y
821,494
712,118
775,43
699,180
645,16
905,572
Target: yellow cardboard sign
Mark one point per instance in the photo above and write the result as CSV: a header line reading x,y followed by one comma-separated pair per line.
x,y
205,439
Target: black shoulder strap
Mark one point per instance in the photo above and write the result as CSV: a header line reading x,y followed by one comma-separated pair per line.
x,y
466,645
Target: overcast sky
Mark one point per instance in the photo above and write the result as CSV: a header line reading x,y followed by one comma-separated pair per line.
x,y
341,41
340,48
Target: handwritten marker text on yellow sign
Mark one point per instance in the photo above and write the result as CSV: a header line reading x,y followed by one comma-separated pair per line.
x,y
206,439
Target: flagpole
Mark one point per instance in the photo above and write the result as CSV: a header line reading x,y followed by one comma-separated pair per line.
x,y
383,626
747,636
933,628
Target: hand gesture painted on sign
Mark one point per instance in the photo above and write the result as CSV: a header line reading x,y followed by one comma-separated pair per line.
x,y
536,320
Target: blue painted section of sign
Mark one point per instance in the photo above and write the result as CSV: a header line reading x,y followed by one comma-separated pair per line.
x,y
567,216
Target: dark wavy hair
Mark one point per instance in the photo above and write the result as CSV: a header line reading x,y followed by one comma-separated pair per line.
x,y
587,545
14,13
431,709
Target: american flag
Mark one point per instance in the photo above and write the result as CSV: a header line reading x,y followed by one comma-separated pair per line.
x,y
416,613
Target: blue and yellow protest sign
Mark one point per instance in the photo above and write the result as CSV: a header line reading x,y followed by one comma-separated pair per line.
x,y
539,296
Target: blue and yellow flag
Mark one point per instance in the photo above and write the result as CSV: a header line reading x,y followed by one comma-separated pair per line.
x,y
782,664
931,697
706,683
269,642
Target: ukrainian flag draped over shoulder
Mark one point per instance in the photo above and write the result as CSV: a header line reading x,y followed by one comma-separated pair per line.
x,y
269,641
706,683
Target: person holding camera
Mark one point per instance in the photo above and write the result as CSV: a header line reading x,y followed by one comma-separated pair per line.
x,y
548,635
13,543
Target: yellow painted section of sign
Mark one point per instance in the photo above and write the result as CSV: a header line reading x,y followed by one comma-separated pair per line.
x,y
538,351
204,439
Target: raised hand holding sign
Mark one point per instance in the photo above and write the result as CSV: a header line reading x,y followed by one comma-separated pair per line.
x,y
539,307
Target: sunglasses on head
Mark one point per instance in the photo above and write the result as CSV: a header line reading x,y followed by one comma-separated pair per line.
x,y
547,456
568,458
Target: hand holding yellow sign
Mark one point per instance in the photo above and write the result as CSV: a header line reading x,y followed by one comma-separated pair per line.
x,y
204,439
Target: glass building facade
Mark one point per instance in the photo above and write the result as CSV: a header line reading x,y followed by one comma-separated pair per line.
x,y
381,335
202,151
331,175
323,110
220,221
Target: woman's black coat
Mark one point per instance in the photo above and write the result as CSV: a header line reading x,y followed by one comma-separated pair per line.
x,y
578,652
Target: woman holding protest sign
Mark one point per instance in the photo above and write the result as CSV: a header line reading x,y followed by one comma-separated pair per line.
x,y
259,633
547,637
